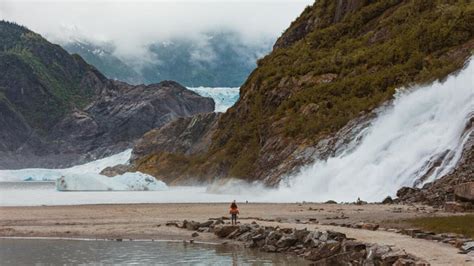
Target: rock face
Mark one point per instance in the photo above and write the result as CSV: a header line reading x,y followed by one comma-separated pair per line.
x,y
465,191
320,85
56,110
180,138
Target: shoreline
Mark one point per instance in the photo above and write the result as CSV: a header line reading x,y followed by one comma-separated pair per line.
x,y
156,222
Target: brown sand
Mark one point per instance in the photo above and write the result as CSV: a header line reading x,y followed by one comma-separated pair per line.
x,y
147,221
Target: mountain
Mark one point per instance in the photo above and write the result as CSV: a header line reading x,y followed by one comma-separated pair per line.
x,y
102,58
216,59
57,110
319,88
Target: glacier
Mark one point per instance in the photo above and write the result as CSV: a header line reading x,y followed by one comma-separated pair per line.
x,y
86,177
223,97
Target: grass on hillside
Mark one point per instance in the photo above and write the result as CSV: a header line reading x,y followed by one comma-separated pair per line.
x,y
449,224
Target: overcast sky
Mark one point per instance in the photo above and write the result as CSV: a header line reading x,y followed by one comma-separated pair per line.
x,y
132,25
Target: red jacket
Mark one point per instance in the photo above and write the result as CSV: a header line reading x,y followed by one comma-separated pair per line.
x,y
234,211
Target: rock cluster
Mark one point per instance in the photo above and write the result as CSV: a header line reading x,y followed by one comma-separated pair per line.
x,y
321,247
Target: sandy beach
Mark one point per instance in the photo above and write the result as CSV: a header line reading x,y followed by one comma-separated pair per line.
x,y
148,221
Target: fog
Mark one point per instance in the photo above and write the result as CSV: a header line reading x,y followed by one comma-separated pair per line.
x,y
131,26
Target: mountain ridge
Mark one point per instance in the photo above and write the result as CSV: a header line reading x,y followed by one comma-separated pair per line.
x,y
215,59
57,110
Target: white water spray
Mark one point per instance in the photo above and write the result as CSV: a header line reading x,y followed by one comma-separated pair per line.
x,y
422,125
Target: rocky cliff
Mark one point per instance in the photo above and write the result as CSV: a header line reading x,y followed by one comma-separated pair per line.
x,y
56,110
334,65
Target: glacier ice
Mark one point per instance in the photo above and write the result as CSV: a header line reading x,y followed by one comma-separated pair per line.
x,y
86,177
96,182
41,174
223,97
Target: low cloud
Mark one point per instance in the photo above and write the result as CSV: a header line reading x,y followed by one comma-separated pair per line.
x,y
132,26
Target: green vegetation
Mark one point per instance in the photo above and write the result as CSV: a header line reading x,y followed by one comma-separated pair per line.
x,y
330,68
463,225
372,51
41,80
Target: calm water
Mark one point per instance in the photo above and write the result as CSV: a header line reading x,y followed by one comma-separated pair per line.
x,y
51,251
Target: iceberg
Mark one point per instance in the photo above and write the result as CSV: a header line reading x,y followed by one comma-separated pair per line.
x,y
87,177
96,182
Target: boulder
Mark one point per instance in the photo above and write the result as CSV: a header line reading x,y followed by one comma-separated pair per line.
x,y
224,230
350,245
286,241
190,225
324,251
301,235
391,257
273,238
468,246
206,224
465,191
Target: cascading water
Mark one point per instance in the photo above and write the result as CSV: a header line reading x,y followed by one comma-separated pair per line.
x,y
423,127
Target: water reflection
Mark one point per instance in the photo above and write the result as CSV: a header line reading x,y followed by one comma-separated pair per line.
x,y
40,251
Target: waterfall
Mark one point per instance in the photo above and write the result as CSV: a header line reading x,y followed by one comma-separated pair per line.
x,y
416,139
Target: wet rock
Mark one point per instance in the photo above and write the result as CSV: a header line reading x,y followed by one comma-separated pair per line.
x,y
312,239
391,257
286,241
203,229
336,235
224,230
269,248
206,224
273,238
468,246
301,235
194,234
244,237
350,245
190,225
324,251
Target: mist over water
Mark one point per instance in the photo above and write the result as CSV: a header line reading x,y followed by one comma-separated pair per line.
x,y
423,125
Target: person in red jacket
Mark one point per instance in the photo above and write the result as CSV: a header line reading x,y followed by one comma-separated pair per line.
x,y
234,210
